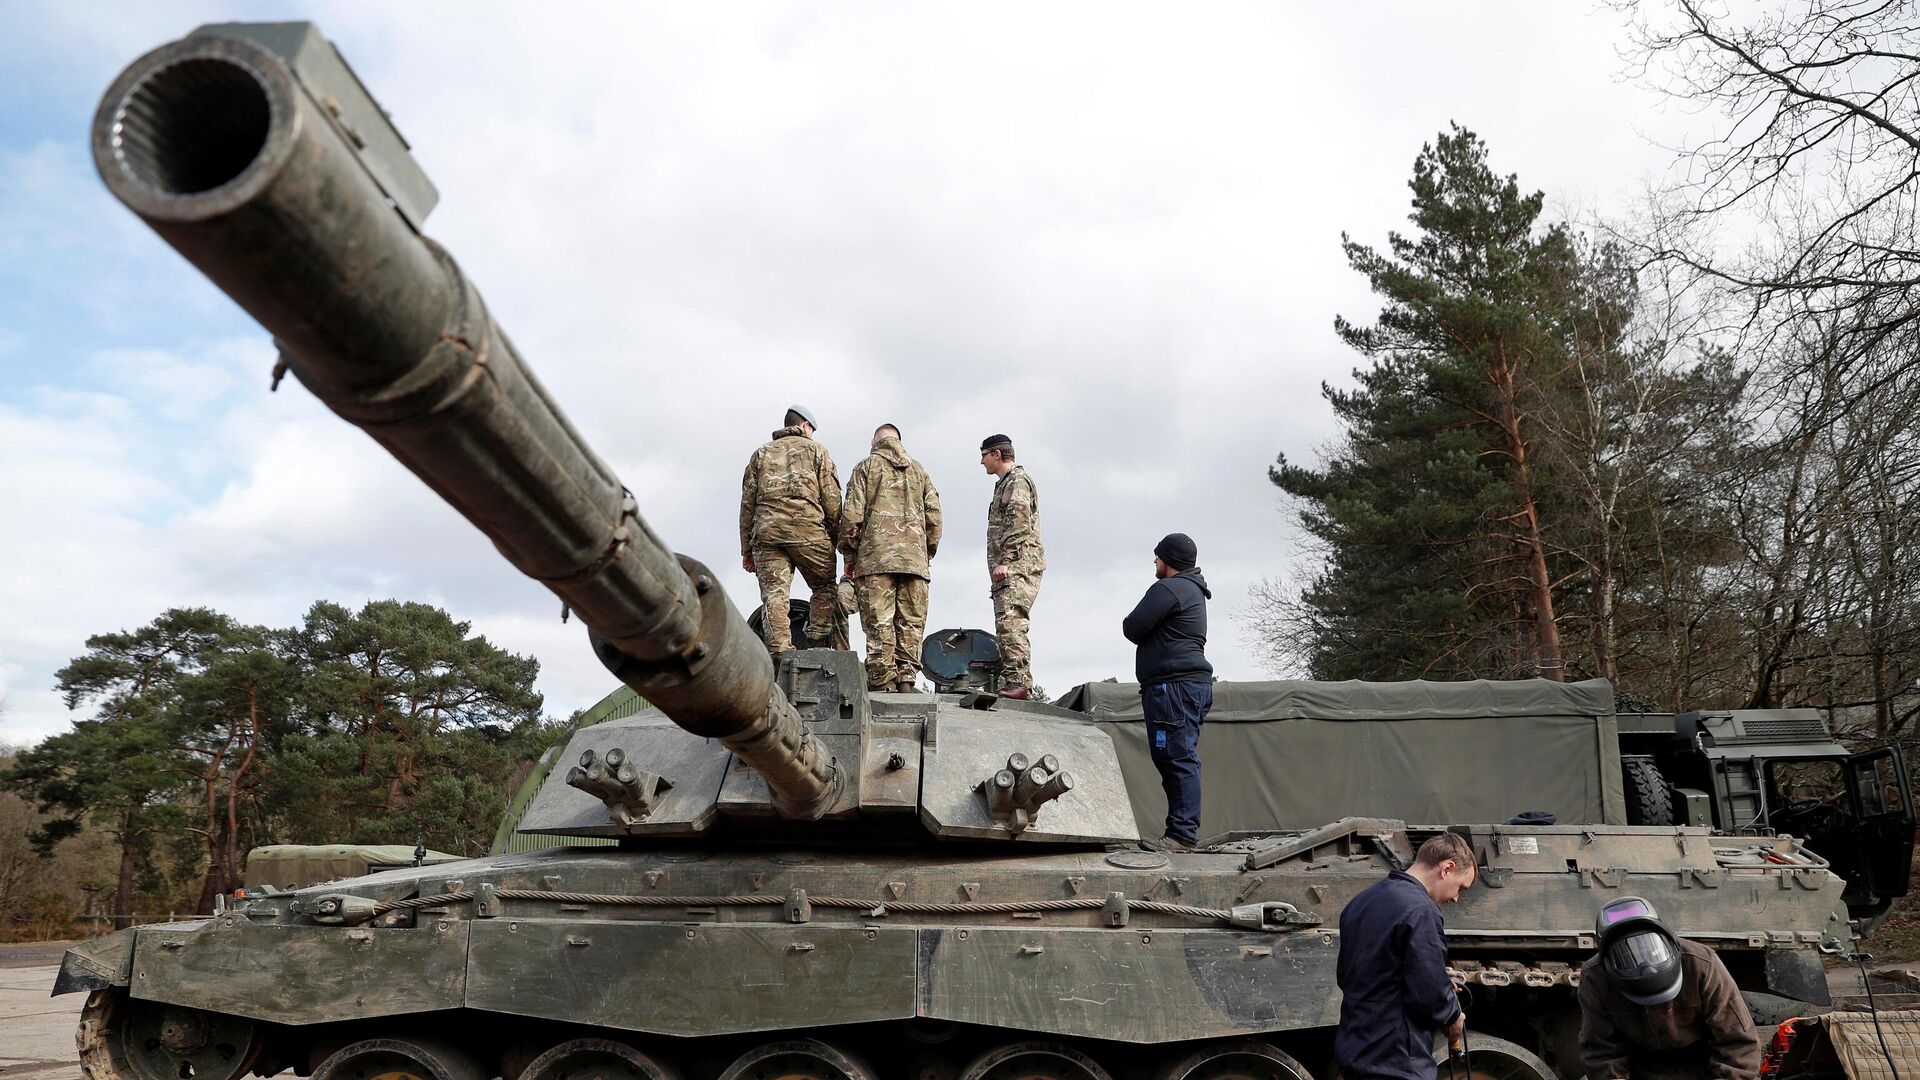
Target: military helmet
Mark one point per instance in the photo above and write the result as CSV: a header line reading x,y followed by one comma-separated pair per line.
x,y
1641,955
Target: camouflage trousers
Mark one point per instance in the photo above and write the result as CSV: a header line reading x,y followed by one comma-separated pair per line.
x,y
1012,604
774,567
846,605
893,614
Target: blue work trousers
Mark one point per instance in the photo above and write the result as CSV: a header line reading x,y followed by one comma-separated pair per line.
x,y
1175,711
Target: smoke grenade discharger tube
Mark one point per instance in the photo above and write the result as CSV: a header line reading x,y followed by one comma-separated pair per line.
x,y
218,143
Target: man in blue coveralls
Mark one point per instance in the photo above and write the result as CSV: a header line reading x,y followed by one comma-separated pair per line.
x,y
1392,971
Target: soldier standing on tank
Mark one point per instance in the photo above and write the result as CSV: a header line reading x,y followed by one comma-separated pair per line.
x,y
1015,561
789,512
1655,1005
889,532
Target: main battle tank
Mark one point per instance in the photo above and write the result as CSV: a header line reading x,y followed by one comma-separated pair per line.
x,y
810,881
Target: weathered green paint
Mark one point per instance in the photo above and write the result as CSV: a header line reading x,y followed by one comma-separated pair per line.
x,y
692,978
94,965
1136,985
297,974
507,839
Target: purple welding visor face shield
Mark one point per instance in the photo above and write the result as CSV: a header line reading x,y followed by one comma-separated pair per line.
x,y
1640,954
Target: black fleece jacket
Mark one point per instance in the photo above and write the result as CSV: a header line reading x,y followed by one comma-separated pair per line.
x,y
1169,626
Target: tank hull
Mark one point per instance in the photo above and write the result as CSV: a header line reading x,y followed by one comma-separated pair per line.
x,y
684,948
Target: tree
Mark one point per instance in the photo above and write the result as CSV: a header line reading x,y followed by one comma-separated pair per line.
x,y
1533,470
1816,154
1822,127
1636,427
232,710
208,736
1429,513
409,724
17,824
118,768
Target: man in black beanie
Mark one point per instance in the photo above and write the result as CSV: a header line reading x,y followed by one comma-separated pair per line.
x,y
1169,629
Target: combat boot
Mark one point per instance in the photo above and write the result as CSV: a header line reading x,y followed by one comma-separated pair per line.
x,y
1017,693
904,686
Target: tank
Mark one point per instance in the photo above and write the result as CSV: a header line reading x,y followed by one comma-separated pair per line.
x,y
805,880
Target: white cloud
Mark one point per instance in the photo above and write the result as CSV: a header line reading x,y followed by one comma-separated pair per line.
x,y
1110,231
172,387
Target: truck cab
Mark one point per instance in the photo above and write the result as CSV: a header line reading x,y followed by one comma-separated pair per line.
x,y
1767,771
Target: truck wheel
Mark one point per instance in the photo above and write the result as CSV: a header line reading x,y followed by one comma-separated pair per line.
x,y
1649,799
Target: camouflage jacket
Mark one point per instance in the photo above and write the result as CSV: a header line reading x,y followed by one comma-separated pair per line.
x,y
790,493
890,521
1013,525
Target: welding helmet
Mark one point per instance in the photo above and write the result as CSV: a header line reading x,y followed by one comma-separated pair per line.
x,y
1641,956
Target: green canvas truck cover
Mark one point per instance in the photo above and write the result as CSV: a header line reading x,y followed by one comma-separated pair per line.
x,y
1294,754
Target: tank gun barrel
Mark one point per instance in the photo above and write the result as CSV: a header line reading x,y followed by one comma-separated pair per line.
x,y
254,151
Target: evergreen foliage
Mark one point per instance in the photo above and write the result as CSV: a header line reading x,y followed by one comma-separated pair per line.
x,y
208,737
1428,511
1524,483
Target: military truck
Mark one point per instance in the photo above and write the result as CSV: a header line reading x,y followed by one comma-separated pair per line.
x,y
809,881
1741,772
1758,771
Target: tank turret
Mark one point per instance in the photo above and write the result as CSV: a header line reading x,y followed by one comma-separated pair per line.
x,y
257,154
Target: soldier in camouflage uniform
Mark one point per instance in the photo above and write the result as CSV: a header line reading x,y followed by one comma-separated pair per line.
x,y
889,531
1015,561
789,511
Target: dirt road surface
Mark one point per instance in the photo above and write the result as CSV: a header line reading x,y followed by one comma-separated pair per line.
x,y
36,1031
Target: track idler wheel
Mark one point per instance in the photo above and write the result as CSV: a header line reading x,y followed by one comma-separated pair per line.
x,y
1488,1058
123,1038
1238,1059
596,1059
798,1059
398,1058
1034,1061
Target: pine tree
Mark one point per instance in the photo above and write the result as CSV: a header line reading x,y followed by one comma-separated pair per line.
x,y
1429,513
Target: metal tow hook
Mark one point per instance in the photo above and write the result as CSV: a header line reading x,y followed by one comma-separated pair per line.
x,y
1273,915
342,908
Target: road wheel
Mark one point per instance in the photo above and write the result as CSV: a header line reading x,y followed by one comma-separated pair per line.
x,y
1238,1059
398,1059
799,1059
1488,1058
123,1038
596,1059
1649,799
1034,1061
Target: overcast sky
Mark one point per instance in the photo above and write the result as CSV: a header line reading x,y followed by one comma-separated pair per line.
x,y
1108,230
